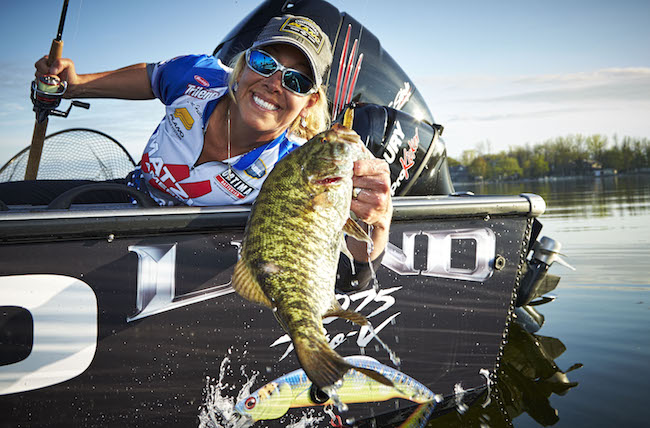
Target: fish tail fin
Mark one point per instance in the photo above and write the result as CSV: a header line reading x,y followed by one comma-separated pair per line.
x,y
325,367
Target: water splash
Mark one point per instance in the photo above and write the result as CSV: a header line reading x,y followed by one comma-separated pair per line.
x,y
218,409
332,392
392,355
373,274
459,393
488,381
307,421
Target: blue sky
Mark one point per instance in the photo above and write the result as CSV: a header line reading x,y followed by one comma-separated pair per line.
x,y
495,74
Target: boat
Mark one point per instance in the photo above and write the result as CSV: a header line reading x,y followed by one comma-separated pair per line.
x,y
124,314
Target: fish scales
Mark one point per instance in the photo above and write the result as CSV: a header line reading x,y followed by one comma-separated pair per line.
x,y
292,243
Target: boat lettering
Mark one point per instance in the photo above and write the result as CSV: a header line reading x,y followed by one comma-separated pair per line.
x,y
466,254
407,161
156,284
64,324
363,334
394,143
402,97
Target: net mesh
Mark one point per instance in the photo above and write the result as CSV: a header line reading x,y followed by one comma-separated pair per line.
x,y
74,154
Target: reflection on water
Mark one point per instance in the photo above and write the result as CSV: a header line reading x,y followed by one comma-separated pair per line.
x,y
580,197
527,378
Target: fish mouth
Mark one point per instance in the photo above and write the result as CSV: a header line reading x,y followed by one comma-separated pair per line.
x,y
329,180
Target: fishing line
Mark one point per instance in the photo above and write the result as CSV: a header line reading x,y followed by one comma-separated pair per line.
x,y
76,27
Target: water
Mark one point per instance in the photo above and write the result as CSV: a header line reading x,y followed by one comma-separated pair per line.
x,y
601,314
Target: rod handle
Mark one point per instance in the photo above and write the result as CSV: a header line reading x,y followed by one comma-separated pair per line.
x,y
56,50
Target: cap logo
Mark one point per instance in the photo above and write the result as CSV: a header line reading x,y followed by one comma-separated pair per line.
x,y
306,29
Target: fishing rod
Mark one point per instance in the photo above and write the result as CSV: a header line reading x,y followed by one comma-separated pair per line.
x,y
46,94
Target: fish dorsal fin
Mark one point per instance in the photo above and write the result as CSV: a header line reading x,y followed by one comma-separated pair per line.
x,y
353,229
247,286
337,311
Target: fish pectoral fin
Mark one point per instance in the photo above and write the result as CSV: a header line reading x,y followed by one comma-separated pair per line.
x,y
353,229
337,311
247,286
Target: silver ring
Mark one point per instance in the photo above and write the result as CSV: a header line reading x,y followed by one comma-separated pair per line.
x,y
355,192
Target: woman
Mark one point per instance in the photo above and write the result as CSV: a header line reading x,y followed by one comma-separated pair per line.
x,y
213,149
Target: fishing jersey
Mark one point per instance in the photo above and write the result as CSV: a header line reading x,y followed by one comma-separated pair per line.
x,y
190,87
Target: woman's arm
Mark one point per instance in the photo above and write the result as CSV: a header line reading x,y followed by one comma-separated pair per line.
x,y
130,83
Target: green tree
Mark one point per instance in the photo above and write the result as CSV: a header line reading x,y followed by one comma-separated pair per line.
x,y
536,166
505,167
452,162
468,156
596,145
478,167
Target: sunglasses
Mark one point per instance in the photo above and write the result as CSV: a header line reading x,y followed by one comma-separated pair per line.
x,y
265,65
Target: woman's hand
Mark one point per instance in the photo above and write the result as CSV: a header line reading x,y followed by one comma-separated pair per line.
x,y
62,67
371,203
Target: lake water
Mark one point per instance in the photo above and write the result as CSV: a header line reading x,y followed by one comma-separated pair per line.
x,y
601,314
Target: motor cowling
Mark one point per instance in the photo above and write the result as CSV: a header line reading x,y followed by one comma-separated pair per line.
x,y
413,149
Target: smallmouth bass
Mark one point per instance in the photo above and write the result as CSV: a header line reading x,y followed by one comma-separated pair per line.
x,y
292,244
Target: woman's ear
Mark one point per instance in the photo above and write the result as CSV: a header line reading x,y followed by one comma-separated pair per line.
x,y
313,99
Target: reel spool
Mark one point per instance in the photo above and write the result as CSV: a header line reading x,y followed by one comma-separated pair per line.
x,y
46,94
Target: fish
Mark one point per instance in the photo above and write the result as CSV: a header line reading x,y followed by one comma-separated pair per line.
x,y
292,243
293,390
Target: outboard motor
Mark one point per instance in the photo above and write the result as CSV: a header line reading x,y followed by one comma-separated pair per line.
x,y
413,149
390,114
537,282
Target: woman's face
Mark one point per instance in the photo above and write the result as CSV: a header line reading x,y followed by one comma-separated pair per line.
x,y
264,104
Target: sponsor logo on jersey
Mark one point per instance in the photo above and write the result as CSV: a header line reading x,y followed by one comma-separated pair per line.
x,y
256,170
201,93
185,117
233,184
201,80
167,177
177,129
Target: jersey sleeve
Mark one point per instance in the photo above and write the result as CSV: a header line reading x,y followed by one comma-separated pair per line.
x,y
171,79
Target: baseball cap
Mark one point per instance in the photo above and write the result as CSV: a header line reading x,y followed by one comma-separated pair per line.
x,y
304,34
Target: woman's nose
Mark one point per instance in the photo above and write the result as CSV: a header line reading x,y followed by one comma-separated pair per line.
x,y
274,81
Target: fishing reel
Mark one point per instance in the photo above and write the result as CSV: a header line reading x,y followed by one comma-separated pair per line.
x,y
46,94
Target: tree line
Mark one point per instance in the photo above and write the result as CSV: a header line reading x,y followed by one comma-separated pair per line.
x,y
571,155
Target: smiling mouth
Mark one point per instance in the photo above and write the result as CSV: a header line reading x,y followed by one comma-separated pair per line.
x,y
264,104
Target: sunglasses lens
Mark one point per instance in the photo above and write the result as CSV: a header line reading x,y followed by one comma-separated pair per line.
x,y
262,63
297,82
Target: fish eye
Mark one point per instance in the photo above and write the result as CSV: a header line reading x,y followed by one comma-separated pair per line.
x,y
250,403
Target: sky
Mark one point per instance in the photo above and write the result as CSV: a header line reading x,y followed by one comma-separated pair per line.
x,y
495,74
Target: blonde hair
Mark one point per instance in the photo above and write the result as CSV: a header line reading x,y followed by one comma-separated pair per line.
x,y
317,119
